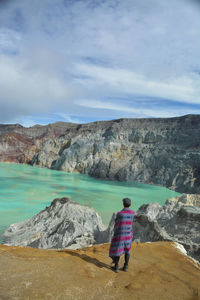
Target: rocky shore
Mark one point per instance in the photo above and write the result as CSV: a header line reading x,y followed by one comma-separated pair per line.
x,y
157,151
67,224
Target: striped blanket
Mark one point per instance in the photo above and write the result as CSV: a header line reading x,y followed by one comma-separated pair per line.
x,y
123,233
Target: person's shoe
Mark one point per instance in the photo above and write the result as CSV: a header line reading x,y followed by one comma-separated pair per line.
x,y
125,269
115,269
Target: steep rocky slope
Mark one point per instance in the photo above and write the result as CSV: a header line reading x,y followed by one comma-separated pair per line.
x,y
157,271
157,151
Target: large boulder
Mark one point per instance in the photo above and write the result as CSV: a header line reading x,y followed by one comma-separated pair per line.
x,y
178,220
64,224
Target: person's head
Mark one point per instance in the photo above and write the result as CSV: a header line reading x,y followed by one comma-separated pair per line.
x,y
126,202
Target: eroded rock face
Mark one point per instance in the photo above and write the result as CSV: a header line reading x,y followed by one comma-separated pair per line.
x,y
64,224
178,220
157,151
19,144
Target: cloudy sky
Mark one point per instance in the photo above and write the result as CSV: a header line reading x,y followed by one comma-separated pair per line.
x,y
87,60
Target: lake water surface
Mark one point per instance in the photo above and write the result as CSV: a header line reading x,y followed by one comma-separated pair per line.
x,y
25,190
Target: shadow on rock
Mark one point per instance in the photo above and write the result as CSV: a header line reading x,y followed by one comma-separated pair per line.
x,y
88,259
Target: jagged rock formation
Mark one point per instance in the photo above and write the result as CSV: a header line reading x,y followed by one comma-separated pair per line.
x,y
157,151
178,220
64,224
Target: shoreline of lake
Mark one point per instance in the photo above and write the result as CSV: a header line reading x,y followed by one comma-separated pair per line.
x,y
29,189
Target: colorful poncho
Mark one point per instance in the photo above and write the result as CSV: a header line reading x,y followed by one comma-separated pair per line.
x,y
123,233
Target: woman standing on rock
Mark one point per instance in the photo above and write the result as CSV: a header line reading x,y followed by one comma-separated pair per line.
x,y
123,234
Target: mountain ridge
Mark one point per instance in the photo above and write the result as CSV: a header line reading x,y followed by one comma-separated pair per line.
x,y
163,151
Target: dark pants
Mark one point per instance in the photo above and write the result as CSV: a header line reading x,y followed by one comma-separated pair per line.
x,y
126,257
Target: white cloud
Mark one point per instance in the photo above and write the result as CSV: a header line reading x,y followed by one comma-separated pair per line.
x,y
131,111
186,89
68,118
9,39
54,54
29,89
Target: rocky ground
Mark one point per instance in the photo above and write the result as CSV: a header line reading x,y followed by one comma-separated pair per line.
x,y
157,151
157,271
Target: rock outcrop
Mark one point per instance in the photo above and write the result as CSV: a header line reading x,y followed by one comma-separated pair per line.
x,y
64,224
157,151
178,220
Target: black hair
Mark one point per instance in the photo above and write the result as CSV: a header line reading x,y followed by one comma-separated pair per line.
x,y
126,202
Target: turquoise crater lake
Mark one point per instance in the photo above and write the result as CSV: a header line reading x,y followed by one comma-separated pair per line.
x,y
25,190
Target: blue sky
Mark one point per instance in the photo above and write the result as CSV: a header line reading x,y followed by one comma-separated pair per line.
x,y
87,60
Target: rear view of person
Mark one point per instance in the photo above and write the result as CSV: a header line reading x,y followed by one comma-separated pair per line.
x,y
123,234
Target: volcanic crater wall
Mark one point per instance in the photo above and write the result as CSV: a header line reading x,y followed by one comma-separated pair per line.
x,y
157,151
